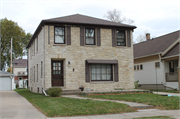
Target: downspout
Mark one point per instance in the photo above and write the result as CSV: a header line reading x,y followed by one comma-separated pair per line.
x,y
44,55
27,71
164,82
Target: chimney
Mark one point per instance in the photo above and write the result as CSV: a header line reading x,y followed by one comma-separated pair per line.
x,y
147,36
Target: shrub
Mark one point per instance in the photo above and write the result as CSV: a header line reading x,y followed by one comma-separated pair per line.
x,y
136,84
54,92
27,89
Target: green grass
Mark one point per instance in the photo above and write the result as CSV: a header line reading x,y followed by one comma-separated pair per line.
x,y
169,91
162,102
61,106
155,117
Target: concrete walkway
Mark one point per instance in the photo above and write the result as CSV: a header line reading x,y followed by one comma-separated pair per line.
x,y
14,106
141,113
166,93
131,104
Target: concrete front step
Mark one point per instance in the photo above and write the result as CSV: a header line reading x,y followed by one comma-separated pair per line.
x,y
71,91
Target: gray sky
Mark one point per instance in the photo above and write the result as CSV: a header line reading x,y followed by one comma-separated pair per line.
x,y
157,16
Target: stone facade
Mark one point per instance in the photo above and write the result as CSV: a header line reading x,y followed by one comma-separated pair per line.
x,y
36,59
76,55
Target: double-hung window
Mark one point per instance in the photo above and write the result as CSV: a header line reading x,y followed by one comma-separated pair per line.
x,y
59,35
101,72
121,39
90,36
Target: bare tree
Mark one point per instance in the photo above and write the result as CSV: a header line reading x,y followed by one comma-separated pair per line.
x,y
116,16
142,37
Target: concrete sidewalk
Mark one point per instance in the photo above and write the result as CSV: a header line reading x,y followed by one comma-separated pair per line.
x,y
140,113
131,104
14,106
166,93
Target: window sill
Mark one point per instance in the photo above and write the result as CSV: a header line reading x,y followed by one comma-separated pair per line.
x,y
120,46
59,44
90,45
97,82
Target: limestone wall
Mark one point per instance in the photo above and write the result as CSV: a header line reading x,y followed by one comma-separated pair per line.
x,y
77,55
35,56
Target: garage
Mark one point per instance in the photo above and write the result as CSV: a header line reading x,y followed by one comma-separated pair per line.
x,y
6,81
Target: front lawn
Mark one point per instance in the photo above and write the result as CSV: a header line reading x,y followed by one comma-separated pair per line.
x,y
160,102
61,106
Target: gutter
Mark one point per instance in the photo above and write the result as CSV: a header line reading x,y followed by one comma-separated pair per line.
x,y
170,56
148,55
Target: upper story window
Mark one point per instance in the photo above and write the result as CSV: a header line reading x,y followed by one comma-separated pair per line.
x,y
90,36
59,35
121,40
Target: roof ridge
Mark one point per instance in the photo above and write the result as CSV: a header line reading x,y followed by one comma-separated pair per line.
x,y
166,34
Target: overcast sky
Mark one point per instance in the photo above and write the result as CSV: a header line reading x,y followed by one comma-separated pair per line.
x,y
157,16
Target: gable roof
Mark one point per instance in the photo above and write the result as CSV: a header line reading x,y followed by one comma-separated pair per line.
x,y
173,52
78,19
19,62
155,46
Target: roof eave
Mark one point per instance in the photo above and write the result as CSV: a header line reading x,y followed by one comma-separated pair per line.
x,y
78,23
43,22
147,55
171,56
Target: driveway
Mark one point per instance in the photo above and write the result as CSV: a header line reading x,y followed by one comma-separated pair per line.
x,y
14,106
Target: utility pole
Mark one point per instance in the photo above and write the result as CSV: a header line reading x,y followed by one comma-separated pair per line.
x,y
11,56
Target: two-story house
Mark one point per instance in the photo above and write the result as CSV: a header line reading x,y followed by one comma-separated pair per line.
x,y
20,69
78,50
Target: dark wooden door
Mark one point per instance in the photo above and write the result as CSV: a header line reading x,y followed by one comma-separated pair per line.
x,y
57,73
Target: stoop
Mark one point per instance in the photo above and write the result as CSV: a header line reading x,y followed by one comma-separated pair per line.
x,y
71,91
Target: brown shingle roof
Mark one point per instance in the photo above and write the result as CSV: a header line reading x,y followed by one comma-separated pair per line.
x,y
19,62
173,51
83,19
78,19
155,45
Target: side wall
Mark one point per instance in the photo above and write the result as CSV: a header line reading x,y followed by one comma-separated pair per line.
x,y
149,74
35,56
77,55
18,69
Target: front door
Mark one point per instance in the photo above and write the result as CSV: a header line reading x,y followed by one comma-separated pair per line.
x,y
57,73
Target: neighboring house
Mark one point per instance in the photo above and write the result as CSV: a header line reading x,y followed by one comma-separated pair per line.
x,y
156,61
20,69
77,50
6,81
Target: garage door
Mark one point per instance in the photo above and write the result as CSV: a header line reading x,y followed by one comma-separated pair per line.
x,y
5,83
